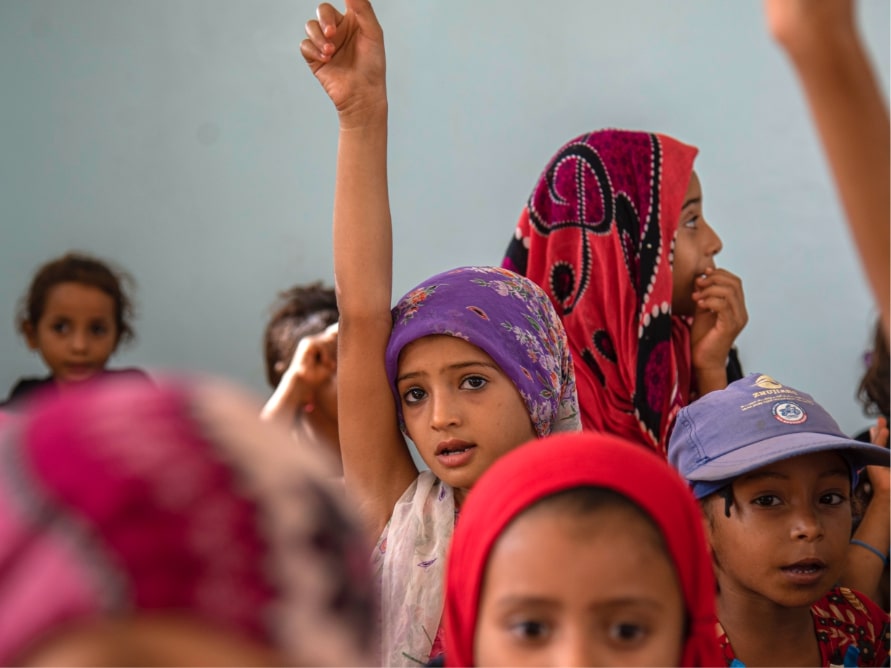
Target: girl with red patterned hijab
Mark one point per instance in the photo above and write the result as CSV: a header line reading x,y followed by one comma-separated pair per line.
x,y
614,232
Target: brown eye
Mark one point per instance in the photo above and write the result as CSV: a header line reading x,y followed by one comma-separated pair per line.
x,y
413,395
474,383
833,499
627,632
529,629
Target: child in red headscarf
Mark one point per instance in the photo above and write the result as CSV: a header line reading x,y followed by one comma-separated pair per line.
x,y
563,557
614,232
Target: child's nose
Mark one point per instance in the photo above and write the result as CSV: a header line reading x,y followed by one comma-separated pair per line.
x,y
78,340
807,524
577,650
444,413
713,241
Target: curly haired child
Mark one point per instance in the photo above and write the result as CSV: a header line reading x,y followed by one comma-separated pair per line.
x,y
75,314
300,351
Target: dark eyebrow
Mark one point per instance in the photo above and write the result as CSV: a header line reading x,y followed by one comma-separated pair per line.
x,y
450,367
764,475
694,200
829,473
521,599
537,601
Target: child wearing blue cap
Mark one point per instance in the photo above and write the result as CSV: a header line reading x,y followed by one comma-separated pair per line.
x,y
774,474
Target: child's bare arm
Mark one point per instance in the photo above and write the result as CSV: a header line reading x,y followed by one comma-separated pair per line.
x,y
346,54
863,568
821,40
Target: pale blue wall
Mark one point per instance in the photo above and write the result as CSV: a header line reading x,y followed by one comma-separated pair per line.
x,y
187,140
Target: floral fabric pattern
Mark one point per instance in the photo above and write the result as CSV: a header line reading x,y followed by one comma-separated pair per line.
x,y
408,562
851,631
512,320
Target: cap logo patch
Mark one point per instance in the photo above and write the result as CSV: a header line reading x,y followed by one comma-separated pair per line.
x,y
788,412
767,382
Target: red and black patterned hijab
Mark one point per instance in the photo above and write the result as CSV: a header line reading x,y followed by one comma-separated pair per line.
x,y
598,235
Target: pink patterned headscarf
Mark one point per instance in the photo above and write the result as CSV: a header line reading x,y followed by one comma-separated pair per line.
x,y
123,497
598,235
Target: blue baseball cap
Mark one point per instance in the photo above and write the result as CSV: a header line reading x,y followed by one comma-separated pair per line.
x,y
753,422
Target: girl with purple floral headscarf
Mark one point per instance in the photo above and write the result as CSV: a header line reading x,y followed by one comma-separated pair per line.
x,y
469,365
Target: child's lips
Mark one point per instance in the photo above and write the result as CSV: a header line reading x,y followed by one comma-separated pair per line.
x,y
451,445
78,371
454,452
805,571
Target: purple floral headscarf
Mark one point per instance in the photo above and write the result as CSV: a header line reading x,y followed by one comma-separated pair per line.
x,y
512,320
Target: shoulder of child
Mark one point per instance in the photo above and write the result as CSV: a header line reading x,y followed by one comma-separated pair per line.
x,y
23,389
844,618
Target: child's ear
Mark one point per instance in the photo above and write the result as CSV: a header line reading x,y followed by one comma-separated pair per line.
x,y
30,335
708,520
707,526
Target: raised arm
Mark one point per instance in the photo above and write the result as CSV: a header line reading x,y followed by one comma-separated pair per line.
x,y
821,40
346,54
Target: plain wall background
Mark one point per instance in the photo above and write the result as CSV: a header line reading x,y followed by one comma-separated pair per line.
x,y
187,141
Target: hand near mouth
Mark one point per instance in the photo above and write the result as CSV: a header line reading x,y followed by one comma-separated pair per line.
x,y
720,316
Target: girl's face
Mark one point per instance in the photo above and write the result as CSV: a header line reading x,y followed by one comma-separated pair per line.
x,y
787,535
696,244
460,409
76,333
568,590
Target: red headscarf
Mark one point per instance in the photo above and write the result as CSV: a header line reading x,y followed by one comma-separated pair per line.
x,y
557,463
598,234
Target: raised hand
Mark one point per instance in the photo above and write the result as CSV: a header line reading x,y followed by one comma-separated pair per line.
x,y
801,23
345,52
879,476
720,316
315,360
313,365
863,571
845,98
878,433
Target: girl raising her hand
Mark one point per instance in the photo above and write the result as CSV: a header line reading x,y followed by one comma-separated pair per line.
x,y
470,364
